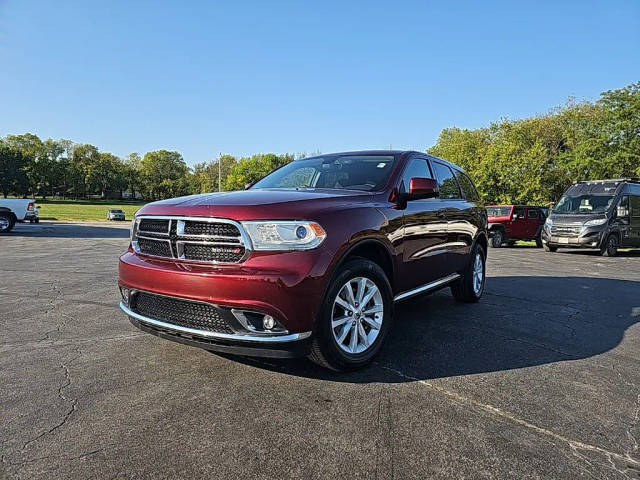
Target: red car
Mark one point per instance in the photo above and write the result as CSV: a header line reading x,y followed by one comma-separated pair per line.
x,y
509,223
309,260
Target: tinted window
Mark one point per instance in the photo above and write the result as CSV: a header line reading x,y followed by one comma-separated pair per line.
x,y
416,168
533,213
468,187
634,200
518,212
447,181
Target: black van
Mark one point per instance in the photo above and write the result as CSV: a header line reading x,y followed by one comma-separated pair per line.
x,y
598,214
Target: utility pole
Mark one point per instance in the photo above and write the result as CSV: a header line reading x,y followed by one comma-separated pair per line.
x,y
220,172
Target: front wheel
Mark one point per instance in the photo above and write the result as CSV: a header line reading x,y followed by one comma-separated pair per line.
x,y
497,239
469,287
356,315
610,248
539,241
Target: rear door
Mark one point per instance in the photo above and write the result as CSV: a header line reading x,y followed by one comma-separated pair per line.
x,y
457,213
425,232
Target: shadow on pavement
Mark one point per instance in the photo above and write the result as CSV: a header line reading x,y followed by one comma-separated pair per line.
x,y
69,230
520,322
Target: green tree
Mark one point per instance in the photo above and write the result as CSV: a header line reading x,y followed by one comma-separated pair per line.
x,y
252,169
132,172
164,174
13,175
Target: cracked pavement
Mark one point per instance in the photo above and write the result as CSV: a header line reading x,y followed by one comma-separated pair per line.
x,y
538,380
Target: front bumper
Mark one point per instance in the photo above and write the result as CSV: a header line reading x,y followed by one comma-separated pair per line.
x,y
280,346
288,286
588,238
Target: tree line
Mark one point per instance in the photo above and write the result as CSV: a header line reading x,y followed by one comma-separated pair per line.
x,y
534,160
531,160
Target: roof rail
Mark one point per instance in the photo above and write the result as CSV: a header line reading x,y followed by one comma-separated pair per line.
x,y
630,180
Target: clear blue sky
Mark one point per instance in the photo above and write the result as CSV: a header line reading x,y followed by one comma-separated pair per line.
x,y
269,76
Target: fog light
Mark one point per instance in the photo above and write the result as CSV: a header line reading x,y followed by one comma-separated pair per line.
x,y
125,293
268,322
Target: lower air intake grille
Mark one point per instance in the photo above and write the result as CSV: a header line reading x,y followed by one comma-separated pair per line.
x,y
176,311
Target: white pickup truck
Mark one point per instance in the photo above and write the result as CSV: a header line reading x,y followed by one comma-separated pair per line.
x,y
14,210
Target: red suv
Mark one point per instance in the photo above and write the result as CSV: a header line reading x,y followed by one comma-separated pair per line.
x,y
309,260
509,223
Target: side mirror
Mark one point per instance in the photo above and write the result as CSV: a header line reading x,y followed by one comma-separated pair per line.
x,y
423,188
247,186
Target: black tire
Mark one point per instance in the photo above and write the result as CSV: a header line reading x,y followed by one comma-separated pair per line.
x,y
463,289
7,221
538,241
497,239
610,247
547,248
324,348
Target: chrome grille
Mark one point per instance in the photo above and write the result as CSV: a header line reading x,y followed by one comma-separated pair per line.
x,y
208,240
566,230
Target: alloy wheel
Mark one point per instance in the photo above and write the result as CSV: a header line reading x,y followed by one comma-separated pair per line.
x,y
478,274
357,314
4,223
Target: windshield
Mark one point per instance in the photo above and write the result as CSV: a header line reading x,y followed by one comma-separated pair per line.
x,y
498,211
116,211
584,204
345,172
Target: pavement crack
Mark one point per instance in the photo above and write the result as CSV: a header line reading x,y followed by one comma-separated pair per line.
x,y
73,402
633,448
630,463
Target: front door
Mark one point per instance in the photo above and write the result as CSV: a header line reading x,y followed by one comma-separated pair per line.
x,y
518,224
425,232
634,220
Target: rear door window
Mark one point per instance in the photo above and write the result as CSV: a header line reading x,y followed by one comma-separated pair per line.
x,y
449,187
533,213
468,187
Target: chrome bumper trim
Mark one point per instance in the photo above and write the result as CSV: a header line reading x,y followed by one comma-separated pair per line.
x,y
427,287
292,337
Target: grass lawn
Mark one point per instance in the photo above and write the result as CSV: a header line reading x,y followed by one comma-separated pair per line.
x,y
88,210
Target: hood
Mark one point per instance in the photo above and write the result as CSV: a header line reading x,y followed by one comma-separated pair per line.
x,y
499,219
259,204
562,218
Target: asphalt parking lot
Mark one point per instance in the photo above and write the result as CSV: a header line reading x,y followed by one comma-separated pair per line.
x,y
539,380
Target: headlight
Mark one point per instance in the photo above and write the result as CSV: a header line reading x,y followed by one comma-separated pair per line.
x,y
596,221
132,230
284,235
548,222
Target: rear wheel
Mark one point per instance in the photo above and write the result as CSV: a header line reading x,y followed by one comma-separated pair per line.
x,y
6,222
497,239
539,241
470,286
610,248
356,315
